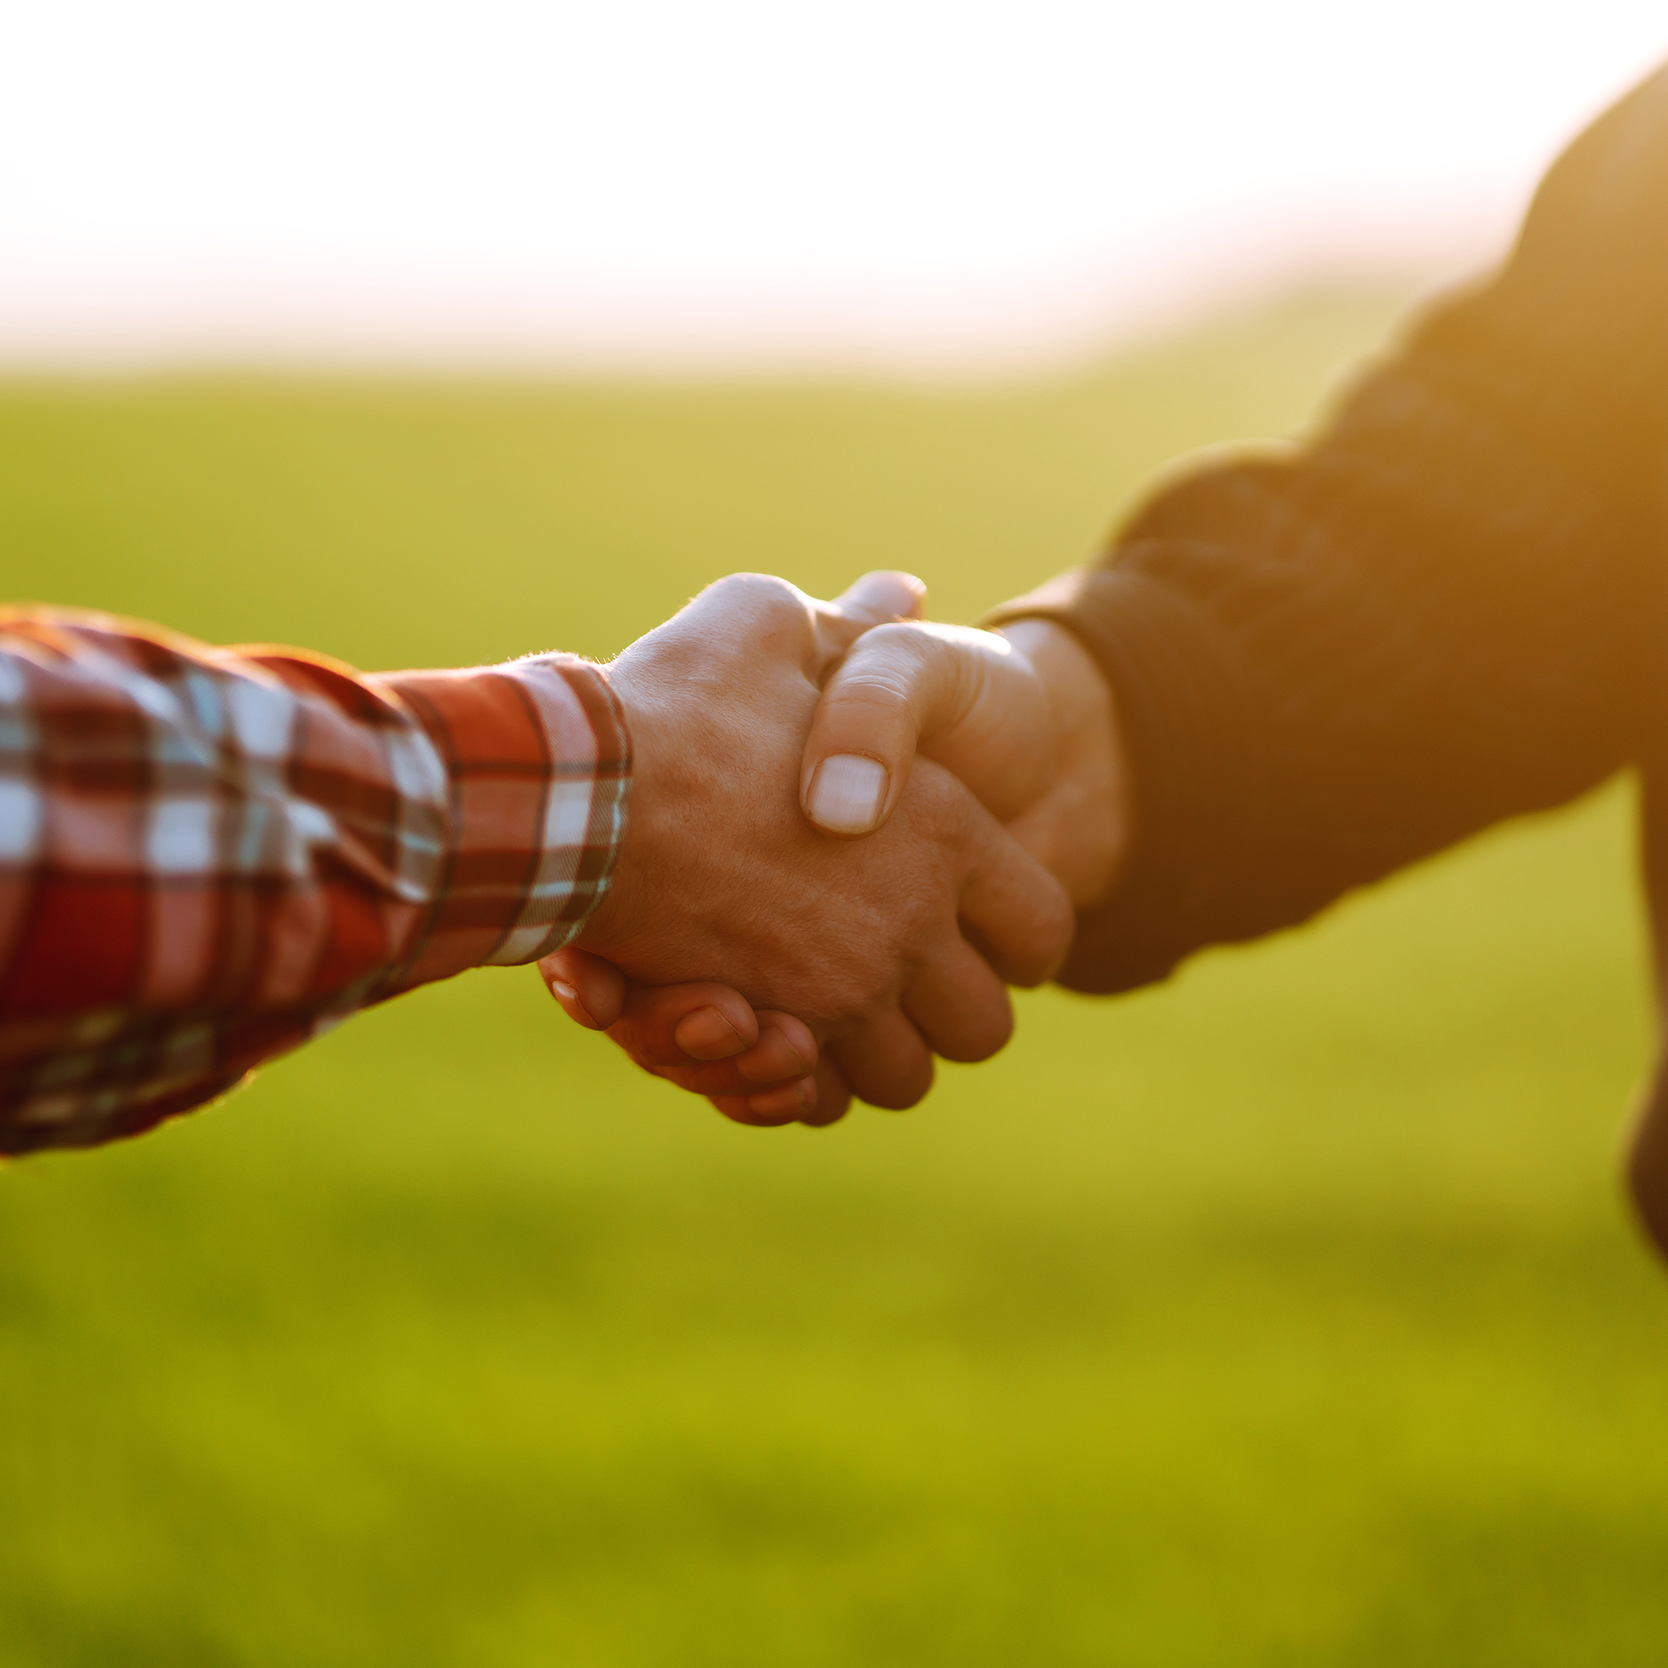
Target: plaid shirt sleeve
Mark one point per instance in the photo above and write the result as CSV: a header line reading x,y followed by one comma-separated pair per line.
x,y
209,855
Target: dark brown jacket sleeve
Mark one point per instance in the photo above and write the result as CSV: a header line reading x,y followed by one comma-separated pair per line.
x,y
1443,610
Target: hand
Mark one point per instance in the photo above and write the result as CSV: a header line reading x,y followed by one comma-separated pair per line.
x,y
759,1069
1022,716
721,877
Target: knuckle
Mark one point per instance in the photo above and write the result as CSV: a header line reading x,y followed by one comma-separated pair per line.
x,y
868,691
901,647
762,594
745,617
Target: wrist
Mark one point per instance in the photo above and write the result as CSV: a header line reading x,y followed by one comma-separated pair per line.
x,y
1080,829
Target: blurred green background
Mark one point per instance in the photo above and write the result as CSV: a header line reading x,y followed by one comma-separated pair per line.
x,y
1283,1315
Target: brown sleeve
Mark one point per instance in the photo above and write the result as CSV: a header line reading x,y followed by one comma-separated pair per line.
x,y
1335,659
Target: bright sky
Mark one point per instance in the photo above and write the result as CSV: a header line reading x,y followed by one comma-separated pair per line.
x,y
720,181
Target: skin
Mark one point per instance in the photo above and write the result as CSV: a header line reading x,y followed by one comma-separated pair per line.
x,y
1027,730
867,944
1024,719
1022,716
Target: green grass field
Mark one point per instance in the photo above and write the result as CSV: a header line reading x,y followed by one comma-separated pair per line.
x,y
1284,1315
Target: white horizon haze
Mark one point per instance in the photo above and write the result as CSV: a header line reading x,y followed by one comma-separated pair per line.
x,y
908,185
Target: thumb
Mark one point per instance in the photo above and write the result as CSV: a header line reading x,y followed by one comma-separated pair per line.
x,y
967,699
591,991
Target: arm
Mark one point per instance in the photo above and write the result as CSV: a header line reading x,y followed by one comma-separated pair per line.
x,y
208,855
1294,673
1442,611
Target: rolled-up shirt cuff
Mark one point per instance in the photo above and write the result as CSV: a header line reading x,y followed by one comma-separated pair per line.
x,y
538,760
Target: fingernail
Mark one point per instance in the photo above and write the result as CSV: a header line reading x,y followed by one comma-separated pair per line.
x,y
847,793
704,1031
565,992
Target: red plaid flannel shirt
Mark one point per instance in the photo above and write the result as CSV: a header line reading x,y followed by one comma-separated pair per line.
x,y
209,855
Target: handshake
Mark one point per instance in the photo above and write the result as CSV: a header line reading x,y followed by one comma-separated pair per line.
x,y
850,830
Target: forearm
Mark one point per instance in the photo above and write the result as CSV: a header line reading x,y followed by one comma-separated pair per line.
x,y
1331,666
209,854
1332,663
1443,610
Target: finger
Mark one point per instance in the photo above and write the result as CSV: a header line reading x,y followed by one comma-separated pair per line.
x,y
589,990
881,595
772,620
894,684
885,1060
773,1108
788,1104
776,619
1013,911
720,1077
833,1095
965,698
673,1025
785,1054
879,598
785,1050
959,1005
827,1103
